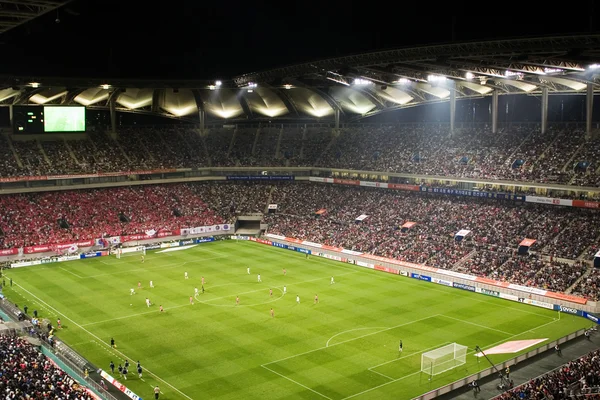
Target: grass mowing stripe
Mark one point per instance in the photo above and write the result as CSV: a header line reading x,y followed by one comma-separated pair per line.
x,y
297,383
349,340
100,341
476,324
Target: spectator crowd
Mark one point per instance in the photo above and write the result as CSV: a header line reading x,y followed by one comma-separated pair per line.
x,y
576,378
521,153
25,373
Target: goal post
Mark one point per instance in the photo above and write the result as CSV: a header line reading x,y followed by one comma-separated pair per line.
x,y
443,359
129,251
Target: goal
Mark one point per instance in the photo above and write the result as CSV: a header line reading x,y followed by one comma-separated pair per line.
x,y
129,251
443,359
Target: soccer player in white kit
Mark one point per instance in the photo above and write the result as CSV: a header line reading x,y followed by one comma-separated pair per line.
x,y
196,291
148,302
131,292
297,299
248,269
151,284
259,278
332,281
284,289
185,274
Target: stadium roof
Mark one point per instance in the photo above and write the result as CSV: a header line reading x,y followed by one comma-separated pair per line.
x,y
358,85
14,13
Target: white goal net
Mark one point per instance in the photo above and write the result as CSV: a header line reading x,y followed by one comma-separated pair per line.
x,y
129,251
444,358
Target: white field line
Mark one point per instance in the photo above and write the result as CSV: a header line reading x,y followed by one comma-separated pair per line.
x,y
406,376
100,340
408,355
479,325
297,383
408,281
352,330
379,373
470,352
350,340
72,273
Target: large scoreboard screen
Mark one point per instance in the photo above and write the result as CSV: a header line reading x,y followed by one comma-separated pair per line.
x,y
51,119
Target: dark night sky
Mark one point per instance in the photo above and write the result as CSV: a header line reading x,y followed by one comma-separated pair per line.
x,y
190,39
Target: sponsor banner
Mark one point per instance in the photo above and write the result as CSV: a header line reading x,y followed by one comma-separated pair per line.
x,y
511,297
279,237
488,292
133,238
420,277
94,254
403,273
351,252
331,257
346,182
586,204
152,246
568,310
441,282
374,184
301,250
260,177
331,248
280,245
272,207
119,386
364,264
25,263
23,178
527,242
262,241
528,289
474,193
463,286
186,242
134,249
549,200
401,186
591,317
361,217
319,179
386,269
204,239
9,252
72,176
537,303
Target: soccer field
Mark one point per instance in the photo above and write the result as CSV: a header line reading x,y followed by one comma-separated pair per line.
x,y
346,346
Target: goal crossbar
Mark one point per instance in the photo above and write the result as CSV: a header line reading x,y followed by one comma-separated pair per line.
x,y
443,359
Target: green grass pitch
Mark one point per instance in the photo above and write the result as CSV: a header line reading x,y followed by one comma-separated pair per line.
x,y
346,346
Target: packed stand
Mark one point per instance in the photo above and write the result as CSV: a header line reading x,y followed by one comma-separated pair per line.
x,y
217,143
575,377
31,157
60,158
589,286
31,219
25,373
490,249
8,162
586,165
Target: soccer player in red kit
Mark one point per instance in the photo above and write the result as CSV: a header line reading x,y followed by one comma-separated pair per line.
x,y
162,309
316,299
284,272
272,313
237,300
202,281
139,285
271,292
191,300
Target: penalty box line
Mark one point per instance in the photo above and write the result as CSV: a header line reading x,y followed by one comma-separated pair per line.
x,y
101,341
468,353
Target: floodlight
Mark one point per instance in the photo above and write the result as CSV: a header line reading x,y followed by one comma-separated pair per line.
x,y
105,86
212,87
469,75
218,83
35,84
287,86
